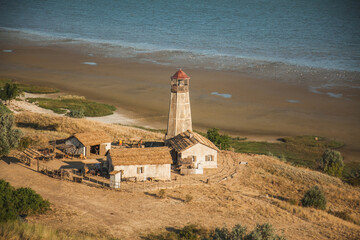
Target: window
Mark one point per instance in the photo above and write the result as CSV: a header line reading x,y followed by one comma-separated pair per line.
x,y
193,158
209,158
140,170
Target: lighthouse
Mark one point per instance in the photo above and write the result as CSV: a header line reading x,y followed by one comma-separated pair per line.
x,y
179,113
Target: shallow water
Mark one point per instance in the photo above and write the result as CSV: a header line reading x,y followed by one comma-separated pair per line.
x,y
294,41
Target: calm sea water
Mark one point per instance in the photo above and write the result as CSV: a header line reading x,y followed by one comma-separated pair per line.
x,y
230,34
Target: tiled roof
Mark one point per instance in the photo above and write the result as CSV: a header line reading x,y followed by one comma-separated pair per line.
x,y
180,75
188,139
140,156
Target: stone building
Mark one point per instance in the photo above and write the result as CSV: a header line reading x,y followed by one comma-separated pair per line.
x,y
97,143
190,150
141,163
193,152
179,113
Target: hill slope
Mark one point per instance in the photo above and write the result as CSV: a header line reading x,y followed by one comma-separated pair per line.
x,y
263,191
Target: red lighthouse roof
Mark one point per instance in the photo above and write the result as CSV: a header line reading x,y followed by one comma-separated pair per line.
x,y
180,75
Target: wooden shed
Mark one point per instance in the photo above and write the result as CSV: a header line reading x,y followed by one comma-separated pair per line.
x,y
194,150
141,163
88,143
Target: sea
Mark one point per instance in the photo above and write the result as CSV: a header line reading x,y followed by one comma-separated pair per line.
x,y
311,41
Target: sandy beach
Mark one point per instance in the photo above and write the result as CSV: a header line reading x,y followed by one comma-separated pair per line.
x,y
257,108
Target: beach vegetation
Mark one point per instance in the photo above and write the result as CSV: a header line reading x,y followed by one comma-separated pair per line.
x,y
76,113
332,163
63,105
297,150
29,88
21,201
314,197
9,91
9,137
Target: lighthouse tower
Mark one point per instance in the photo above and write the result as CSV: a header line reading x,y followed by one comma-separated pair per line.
x,y
179,113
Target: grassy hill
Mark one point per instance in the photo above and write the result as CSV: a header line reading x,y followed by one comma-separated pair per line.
x,y
266,190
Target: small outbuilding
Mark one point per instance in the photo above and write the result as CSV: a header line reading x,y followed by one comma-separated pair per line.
x,y
97,143
141,163
193,151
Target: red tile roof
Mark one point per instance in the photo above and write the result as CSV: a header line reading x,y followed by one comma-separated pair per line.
x,y
180,75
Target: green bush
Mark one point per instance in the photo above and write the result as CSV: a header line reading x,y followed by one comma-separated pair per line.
x,y
7,203
238,232
76,113
314,197
353,177
9,92
29,202
20,201
332,162
221,141
9,137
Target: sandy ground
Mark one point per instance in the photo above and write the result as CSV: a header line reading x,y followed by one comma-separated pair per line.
x,y
258,108
242,199
22,105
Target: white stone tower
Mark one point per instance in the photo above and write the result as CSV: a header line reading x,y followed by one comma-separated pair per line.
x,y
179,113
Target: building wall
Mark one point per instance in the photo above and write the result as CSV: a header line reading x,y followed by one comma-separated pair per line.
x,y
77,144
200,151
179,114
160,171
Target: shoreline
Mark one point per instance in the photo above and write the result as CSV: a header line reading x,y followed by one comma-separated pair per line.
x,y
140,92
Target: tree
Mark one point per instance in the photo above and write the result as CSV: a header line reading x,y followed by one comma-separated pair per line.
x,y
9,137
332,163
314,197
10,92
221,141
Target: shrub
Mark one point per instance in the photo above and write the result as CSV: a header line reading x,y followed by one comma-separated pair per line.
x,y
188,198
221,141
161,193
29,202
20,201
354,177
76,113
7,203
332,163
24,143
221,234
238,232
9,137
9,92
191,232
314,197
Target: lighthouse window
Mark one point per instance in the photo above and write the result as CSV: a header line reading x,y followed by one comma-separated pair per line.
x,y
181,83
186,82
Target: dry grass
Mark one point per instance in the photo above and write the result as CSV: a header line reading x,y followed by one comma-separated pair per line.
x,y
44,128
266,190
17,230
